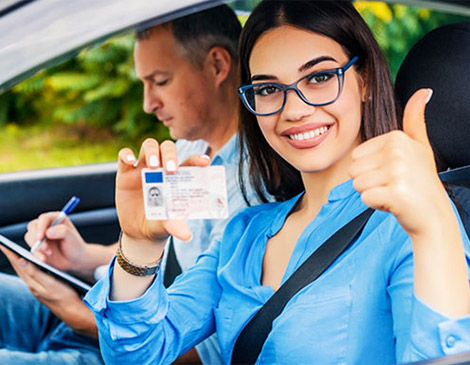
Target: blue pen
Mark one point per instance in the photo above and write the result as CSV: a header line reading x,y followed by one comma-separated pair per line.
x,y
67,209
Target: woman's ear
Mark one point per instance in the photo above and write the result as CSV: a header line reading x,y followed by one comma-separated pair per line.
x,y
220,64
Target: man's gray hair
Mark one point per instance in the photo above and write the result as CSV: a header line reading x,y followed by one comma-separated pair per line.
x,y
197,33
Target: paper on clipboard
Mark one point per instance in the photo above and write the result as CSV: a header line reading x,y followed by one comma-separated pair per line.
x,y
77,284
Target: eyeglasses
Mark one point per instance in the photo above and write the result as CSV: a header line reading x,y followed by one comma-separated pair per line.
x,y
316,89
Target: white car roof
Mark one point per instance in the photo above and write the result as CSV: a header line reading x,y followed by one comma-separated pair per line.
x,y
37,33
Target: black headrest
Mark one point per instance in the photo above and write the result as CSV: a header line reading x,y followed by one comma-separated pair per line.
x,y
441,61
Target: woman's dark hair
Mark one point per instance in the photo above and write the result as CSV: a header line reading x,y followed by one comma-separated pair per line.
x,y
338,20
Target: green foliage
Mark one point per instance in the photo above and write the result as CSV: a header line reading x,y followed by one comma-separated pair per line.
x,y
4,108
99,87
34,147
398,27
244,5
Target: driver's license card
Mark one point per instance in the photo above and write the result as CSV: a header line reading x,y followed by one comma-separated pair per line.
x,y
190,193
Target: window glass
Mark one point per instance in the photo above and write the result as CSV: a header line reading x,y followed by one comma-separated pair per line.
x,y
87,108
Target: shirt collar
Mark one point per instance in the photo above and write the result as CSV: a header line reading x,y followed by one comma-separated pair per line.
x,y
341,191
283,210
228,151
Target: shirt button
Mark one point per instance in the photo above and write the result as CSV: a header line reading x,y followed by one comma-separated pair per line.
x,y
450,341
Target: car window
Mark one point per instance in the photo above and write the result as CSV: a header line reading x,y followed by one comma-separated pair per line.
x,y
79,112
40,32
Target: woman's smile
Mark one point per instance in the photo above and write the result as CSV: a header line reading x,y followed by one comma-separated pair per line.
x,y
308,135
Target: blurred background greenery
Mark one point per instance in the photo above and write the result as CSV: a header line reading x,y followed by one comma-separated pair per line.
x,y
86,109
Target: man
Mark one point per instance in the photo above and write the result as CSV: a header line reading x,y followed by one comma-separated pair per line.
x,y
188,70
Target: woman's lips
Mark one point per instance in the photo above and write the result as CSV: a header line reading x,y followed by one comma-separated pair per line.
x,y
307,136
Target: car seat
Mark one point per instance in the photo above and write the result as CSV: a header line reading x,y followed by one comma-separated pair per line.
x,y
441,61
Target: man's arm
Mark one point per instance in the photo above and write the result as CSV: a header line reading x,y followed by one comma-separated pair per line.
x,y
190,357
66,250
59,297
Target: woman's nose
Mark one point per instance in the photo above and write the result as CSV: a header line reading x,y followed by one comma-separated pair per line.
x,y
295,108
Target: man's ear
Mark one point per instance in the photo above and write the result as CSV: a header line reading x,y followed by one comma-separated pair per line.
x,y
219,62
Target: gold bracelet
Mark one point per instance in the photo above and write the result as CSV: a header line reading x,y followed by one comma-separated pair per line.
x,y
131,268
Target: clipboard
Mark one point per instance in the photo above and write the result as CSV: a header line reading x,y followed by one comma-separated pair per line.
x,y
80,286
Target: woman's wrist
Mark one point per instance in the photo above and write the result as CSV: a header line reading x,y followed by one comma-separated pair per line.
x,y
132,277
141,252
439,220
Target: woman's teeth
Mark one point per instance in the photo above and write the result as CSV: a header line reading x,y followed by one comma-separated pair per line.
x,y
308,135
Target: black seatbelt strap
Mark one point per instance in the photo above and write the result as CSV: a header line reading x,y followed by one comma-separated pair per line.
x,y
172,267
252,337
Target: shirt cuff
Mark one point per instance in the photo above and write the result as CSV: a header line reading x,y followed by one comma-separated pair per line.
x,y
435,335
209,350
100,272
150,307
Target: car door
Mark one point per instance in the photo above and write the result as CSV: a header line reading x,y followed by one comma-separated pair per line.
x,y
33,36
25,195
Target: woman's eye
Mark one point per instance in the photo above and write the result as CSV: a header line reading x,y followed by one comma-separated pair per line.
x,y
319,78
266,90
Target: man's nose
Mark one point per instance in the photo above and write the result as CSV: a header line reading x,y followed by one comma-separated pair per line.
x,y
151,100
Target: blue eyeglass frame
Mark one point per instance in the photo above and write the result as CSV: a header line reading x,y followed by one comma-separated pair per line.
x,y
338,71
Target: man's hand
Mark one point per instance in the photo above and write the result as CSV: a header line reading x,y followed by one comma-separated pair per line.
x,y
59,297
64,248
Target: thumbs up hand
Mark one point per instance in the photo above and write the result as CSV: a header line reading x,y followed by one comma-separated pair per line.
x,y
396,172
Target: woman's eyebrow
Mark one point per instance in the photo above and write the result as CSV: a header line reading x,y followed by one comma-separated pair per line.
x,y
315,61
262,77
302,68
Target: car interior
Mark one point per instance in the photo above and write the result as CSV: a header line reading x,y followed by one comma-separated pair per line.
x,y
24,195
27,194
27,49
447,113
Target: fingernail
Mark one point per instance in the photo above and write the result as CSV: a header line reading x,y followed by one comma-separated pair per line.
x,y
153,161
136,163
170,166
431,91
205,157
130,158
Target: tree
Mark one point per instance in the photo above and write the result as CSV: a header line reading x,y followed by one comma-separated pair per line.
x,y
99,87
398,27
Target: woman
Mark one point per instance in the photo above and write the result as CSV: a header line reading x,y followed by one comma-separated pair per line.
x,y
319,110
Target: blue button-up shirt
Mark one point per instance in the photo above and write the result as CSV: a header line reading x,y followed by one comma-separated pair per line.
x,y
206,231
361,310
